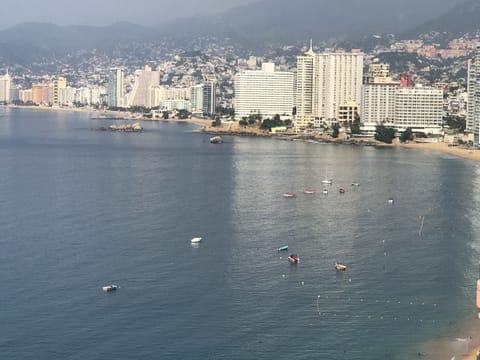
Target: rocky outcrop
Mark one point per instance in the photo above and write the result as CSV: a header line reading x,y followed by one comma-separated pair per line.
x,y
123,128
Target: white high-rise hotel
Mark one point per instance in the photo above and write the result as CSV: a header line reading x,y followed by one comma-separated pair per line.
x,y
473,91
325,83
387,102
5,86
265,91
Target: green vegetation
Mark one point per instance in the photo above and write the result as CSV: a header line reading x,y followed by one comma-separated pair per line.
x,y
268,124
335,130
455,122
407,135
223,111
384,134
355,125
183,114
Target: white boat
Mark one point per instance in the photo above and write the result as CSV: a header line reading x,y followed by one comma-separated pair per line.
x,y
390,201
325,191
109,288
216,140
327,181
340,266
355,184
196,240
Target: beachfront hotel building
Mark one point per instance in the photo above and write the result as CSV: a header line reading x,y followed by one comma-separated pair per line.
x,y
5,88
326,83
378,103
267,92
418,108
59,85
145,80
203,98
41,94
115,87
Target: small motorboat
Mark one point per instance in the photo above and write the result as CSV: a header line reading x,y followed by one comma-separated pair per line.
x,y
340,266
309,191
325,191
216,140
327,182
109,288
341,191
196,240
355,184
390,201
289,194
283,248
294,259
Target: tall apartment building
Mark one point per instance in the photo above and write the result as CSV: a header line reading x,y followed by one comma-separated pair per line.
x,y
115,87
473,93
26,95
265,91
41,94
325,83
209,102
145,80
5,87
59,85
196,98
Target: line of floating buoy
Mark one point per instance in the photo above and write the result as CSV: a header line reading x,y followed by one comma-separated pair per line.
x,y
380,301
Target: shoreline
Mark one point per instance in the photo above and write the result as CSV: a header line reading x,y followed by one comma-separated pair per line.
x,y
233,129
462,344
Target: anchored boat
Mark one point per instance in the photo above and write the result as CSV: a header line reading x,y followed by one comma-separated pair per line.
x,y
109,288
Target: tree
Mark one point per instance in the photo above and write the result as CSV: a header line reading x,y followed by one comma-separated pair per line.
x,y
406,135
335,130
165,115
384,134
455,122
217,122
183,114
355,126
268,124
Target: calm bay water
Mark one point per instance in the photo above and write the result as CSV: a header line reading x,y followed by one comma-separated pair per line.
x,y
81,209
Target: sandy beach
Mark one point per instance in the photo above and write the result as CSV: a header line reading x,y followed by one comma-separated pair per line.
x,y
466,153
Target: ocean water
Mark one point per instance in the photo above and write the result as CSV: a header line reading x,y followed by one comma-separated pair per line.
x,y
82,208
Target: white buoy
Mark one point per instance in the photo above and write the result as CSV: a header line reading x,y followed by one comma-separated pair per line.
x,y
196,240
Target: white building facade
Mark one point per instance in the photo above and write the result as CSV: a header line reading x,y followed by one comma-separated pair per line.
x,y
419,108
266,92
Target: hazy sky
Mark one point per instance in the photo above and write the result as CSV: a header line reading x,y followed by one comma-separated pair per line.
x,y
106,12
